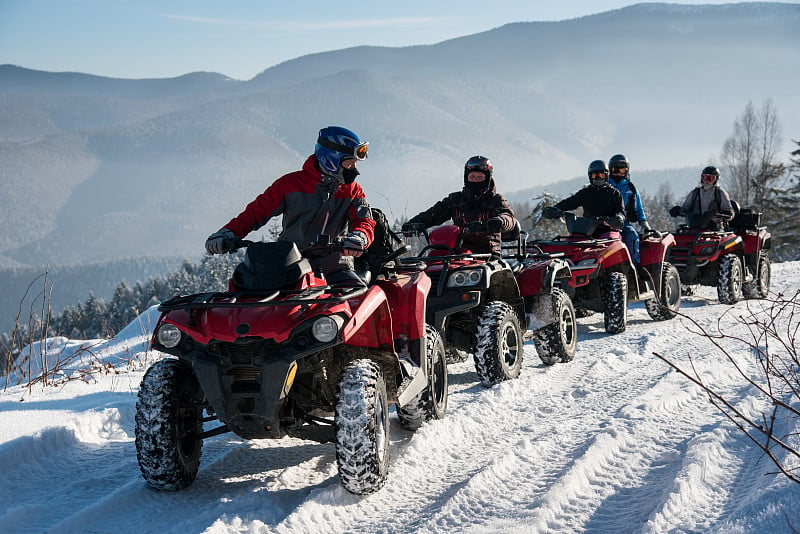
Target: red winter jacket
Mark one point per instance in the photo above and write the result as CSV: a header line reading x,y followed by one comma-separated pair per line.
x,y
309,207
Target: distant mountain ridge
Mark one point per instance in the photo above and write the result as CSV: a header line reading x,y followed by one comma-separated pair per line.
x,y
94,168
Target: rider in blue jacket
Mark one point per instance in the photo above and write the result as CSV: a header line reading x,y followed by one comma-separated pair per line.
x,y
634,210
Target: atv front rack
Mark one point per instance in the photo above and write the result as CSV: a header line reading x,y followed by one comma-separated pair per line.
x,y
284,297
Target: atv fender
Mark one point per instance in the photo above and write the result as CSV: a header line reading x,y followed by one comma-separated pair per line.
x,y
371,323
503,287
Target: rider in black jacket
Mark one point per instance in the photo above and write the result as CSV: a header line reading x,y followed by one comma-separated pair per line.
x,y
478,208
599,199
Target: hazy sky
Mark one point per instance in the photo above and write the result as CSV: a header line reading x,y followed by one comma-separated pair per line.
x,y
157,39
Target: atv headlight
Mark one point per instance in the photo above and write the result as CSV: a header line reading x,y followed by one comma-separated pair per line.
x,y
467,277
168,335
707,251
325,329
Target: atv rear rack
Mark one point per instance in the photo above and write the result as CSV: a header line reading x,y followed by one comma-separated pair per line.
x,y
230,299
561,240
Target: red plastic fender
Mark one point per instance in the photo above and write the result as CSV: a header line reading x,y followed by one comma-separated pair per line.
x,y
371,323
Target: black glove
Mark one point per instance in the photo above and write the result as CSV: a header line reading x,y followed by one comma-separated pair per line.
x,y
223,240
675,211
410,229
475,227
494,225
552,212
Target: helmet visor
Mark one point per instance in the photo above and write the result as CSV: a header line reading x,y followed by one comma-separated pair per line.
x,y
359,151
598,175
708,178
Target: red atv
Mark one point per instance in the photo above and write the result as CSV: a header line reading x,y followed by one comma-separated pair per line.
x,y
283,353
549,312
474,302
604,279
734,260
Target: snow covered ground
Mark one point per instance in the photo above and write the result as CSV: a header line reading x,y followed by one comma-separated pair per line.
x,y
612,442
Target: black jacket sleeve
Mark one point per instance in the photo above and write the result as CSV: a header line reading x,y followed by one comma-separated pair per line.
x,y
436,214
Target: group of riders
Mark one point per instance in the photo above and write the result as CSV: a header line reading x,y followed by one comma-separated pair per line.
x,y
324,198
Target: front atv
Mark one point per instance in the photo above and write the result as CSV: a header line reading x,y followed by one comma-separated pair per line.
x,y
283,353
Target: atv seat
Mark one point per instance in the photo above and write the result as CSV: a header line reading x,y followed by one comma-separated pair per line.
x,y
270,266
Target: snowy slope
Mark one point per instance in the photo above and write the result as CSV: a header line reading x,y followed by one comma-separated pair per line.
x,y
612,442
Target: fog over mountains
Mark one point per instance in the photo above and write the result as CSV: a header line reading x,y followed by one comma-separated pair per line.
x,y
95,168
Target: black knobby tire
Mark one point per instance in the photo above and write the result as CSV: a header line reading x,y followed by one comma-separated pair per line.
x,y
729,279
667,306
431,403
759,287
615,302
362,428
169,422
498,344
556,342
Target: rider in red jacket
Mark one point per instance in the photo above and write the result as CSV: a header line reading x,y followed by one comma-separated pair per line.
x,y
321,198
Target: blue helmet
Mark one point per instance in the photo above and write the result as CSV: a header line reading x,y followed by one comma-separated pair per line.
x,y
335,144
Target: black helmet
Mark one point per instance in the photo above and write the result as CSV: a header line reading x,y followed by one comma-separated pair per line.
x,y
596,166
479,164
619,161
710,171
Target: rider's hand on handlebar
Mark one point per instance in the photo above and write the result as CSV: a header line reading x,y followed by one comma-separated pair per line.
x,y
675,211
354,244
552,212
494,225
221,241
411,229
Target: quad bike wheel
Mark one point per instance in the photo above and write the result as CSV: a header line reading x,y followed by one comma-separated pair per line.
x,y
729,279
557,342
361,421
169,422
431,403
498,344
759,287
669,301
615,302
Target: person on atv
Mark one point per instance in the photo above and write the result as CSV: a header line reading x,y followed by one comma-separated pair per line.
x,y
321,198
598,199
708,202
620,179
478,208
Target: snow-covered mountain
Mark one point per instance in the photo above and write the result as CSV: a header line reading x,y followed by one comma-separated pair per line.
x,y
113,167
612,442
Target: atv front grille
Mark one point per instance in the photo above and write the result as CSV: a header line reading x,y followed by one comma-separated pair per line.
x,y
242,363
250,353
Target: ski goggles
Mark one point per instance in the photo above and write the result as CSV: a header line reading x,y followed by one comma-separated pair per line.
x,y
708,178
478,164
619,170
359,151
